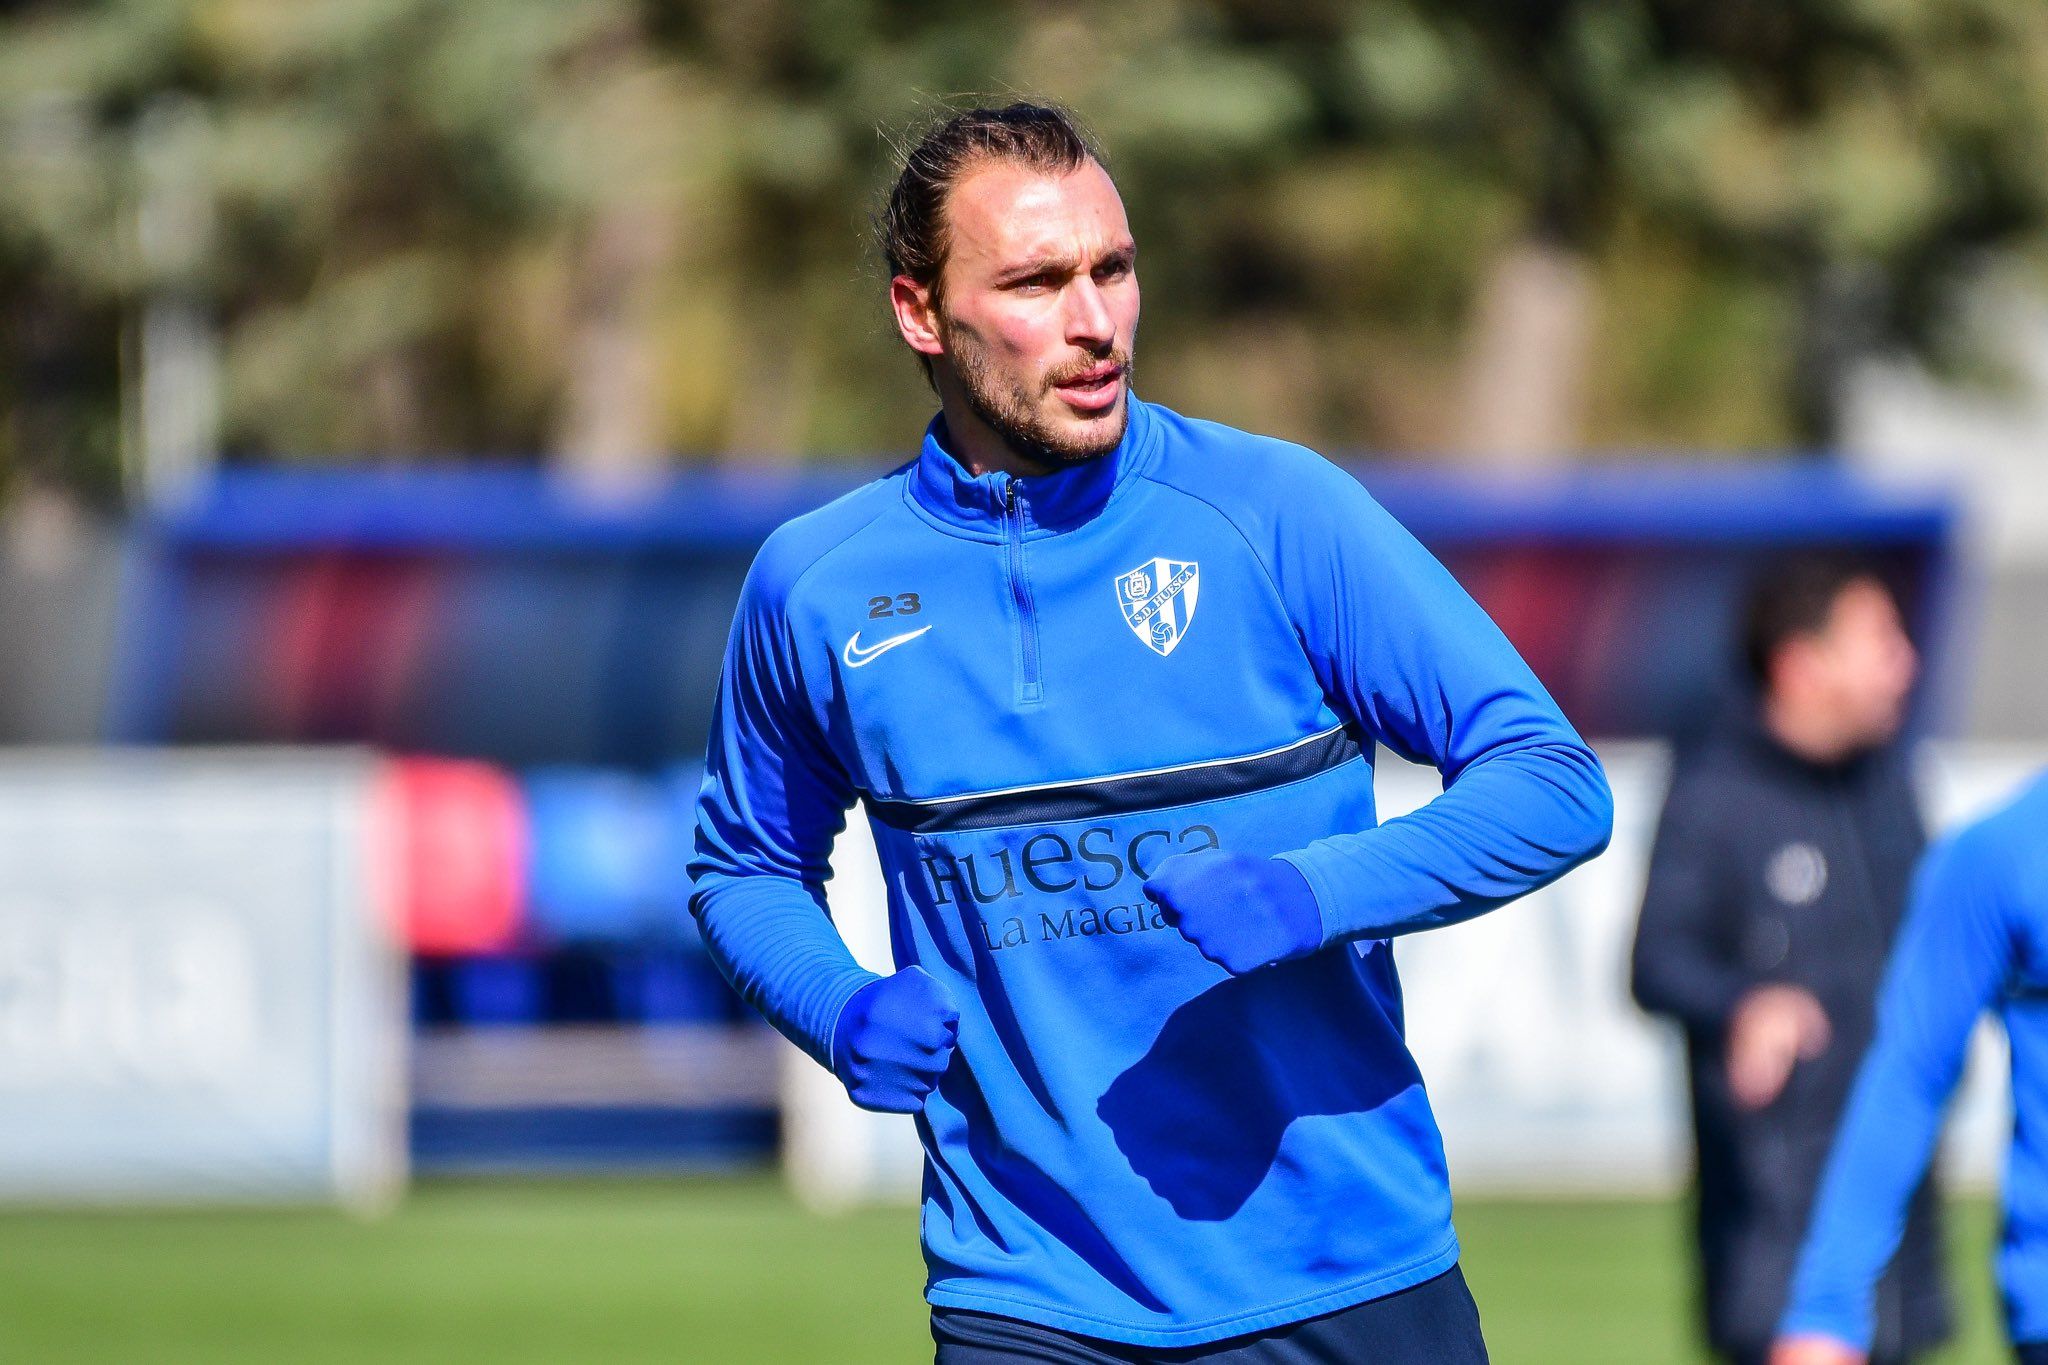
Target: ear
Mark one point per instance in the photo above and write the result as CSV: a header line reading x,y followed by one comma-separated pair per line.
x,y
916,318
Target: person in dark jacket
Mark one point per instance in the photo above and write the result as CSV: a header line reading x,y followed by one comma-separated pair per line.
x,y
1777,881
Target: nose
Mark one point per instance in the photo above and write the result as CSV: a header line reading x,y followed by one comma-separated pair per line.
x,y
1089,325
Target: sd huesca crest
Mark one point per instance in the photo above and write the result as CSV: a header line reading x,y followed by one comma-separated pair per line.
x,y
1158,600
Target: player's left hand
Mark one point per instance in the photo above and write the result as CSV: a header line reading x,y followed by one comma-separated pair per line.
x,y
1815,1350
1241,911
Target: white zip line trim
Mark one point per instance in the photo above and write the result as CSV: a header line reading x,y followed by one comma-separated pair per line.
x,y
1118,777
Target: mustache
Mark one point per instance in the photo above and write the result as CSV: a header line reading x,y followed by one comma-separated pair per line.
x,y
1067,374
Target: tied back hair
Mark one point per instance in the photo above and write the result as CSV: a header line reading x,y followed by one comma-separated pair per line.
x,y
912,230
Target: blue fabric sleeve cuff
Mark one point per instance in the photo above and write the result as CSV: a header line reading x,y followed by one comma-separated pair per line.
x,y
855,983
856,986
1305,866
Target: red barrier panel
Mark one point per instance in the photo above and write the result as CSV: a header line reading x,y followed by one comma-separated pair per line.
x,y
453,848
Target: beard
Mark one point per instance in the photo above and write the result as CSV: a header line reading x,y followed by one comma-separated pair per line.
x,y
1016,413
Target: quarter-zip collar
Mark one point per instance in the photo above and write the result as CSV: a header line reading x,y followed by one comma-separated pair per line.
x,y
1047,504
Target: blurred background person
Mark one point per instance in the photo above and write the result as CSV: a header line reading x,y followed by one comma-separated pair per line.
x,y
1976,938
1776,883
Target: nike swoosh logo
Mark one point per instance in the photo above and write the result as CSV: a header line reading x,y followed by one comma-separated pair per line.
x,y
857,657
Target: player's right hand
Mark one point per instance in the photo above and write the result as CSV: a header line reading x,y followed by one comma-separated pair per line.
x,y
1815,1350
894,1040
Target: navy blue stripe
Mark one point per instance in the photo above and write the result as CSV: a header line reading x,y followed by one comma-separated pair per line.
x,y
455,1140
1096,798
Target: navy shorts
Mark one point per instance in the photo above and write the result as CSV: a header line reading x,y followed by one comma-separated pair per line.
x,y
1434,1323
2031,1352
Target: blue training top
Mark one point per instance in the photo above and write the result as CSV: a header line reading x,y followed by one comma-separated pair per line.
x,y
1976,934
1040,687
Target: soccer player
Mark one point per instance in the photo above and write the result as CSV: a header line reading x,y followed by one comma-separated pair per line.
x,y
1107,680
1776,884
1977,936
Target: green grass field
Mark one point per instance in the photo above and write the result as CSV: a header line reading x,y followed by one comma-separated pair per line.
x,y
716,1271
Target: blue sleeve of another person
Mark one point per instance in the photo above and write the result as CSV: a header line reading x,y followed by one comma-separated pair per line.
x,y
1952,958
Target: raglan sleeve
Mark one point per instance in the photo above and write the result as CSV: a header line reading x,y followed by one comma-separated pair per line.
x,y
774,797
1953,955
1414,661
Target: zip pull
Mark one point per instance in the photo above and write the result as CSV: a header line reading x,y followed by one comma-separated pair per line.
x,y
1030,690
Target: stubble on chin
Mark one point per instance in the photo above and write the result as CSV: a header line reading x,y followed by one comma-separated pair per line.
x,y
1017,415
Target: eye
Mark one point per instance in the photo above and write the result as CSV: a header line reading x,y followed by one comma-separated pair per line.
x,y
1113,270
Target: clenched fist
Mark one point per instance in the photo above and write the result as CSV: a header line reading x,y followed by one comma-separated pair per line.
x,y
1241,911
894,1040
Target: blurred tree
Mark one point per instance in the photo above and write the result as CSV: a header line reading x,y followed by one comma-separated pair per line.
x,y
1852,157
609,229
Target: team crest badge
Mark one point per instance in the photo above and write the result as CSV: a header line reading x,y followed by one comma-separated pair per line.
x,y
1158,599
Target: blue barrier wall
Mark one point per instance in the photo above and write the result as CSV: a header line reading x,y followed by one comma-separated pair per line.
x,y
492,613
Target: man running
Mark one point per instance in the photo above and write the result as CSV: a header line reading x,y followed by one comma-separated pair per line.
x,y
1107,680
